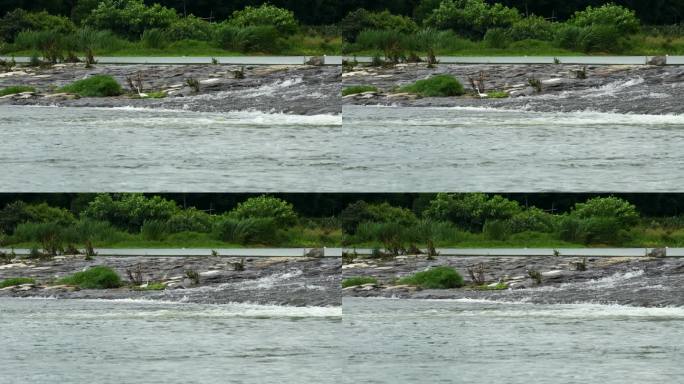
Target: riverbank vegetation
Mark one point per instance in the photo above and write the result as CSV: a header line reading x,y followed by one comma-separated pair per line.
x,y
132,27
488,28
479,220
136,220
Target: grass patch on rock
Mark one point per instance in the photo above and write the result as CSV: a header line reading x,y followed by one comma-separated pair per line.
x,y
436,86
497,95
16,281
93,278
358,89
358,280
151,287
16,89
435,278
94,86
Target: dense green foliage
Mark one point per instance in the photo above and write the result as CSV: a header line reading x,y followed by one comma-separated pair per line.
x,y
435,278
436,86
488,27
358,280
93,278
16,281
132,26
331,11
94,86
154,220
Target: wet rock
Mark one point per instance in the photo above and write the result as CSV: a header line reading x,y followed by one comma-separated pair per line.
x,y
316,253
658,61
657,252
315,61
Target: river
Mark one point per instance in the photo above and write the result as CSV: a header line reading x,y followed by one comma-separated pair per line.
x,y
63,149
425,149
469,341
101,341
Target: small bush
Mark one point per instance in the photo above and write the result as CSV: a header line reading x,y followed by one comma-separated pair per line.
x,y
12,281
622,19
436,86
497,230
16,89
496,38
358,89
282,20
435,278
532,27
94,278
248,231
154,38
94,86
154,230
621,210
280,211
357,21
358,280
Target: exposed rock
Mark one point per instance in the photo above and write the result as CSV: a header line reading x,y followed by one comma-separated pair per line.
x,y
658,61
316,61
315,253
657,252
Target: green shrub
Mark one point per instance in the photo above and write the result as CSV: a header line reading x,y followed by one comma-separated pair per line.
x,y
281,212
190,28
496,38
130,17
258,38
16,89
470,210
391,42
532,219
19,212
93,278
247,231
435,278
190,220
282,20
571,229
94,86
568,36
358,280
602,230
498,230
471,17
36,232
532,27
601,38
154,38
621,18
359,20
621,210
12,281
153,230
360,212
436,86
358,89
20,20
129,211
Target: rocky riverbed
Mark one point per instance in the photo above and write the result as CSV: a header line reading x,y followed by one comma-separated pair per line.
x,y
296,89
564,88
638,281
294,281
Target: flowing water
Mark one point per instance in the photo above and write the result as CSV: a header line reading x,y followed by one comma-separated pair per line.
x,y
468,341
390,149
98,341
52,149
